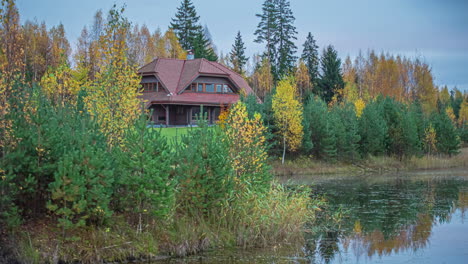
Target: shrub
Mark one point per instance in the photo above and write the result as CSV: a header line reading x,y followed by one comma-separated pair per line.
x,y
246,138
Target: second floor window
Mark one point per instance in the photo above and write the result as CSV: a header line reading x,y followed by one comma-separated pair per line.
x,y
210,88
150,87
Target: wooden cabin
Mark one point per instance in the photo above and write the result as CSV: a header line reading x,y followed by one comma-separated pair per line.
x,y
176,89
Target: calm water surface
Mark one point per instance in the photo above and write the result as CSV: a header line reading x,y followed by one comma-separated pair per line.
x,y
404,218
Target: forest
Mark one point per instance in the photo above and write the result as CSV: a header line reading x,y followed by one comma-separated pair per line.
x,y
83,178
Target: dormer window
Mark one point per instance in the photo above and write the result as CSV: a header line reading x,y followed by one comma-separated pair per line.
x,y
150,87
150,84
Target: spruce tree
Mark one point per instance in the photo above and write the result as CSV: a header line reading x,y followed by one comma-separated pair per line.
x,y
276,29
202,47
185,24
266,30
286,34
237,55
311,58
315,126
331,80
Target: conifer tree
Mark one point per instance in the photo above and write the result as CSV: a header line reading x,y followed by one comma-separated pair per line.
x,y
266,30
448,140
311,59
185,24
276,29
285,35
202,47
331,80
237,55
372,130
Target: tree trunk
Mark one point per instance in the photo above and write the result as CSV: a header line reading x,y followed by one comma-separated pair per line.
x,y
284,149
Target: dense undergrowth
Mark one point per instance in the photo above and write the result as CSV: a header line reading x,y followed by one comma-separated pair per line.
x,y
70,195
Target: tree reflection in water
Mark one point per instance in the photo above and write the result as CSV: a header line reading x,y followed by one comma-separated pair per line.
x,y
381,218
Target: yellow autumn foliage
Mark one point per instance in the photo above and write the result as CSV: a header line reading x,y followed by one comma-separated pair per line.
x,y
287,114
247,141
463,114
59,85
113,97
359,106
451,114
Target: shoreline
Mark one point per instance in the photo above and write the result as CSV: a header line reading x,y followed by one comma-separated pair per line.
x,y
373,165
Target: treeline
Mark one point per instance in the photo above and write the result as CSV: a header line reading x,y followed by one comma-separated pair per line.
x,y
348,132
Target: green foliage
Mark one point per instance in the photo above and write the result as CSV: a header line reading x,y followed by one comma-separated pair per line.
x,y
145,185
203,170
237,55
82,187
185,24
402,137
311,59
61,156
448,140
346,130
315,126
202,46
331,81
276,29
372,130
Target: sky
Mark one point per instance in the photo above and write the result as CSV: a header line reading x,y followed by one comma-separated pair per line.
x,y
433,30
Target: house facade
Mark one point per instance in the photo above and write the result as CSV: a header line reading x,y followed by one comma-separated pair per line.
x,y
175,90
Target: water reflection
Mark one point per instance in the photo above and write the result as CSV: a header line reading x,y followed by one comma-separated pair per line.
x,y
384,218
389,219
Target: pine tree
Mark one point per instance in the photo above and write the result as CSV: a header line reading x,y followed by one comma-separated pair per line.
x,y
311,59
331,80
346,131
448,140
372,130
237,55
185,24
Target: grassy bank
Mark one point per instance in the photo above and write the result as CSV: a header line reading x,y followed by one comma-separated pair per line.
x,y
277,218
310,166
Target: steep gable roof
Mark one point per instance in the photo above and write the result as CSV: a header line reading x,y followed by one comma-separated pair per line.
x,y
176,75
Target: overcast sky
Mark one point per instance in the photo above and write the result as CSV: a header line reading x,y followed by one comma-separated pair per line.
x,y
435,30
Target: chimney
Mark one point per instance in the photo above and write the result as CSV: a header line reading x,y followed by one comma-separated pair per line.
x,y
190,55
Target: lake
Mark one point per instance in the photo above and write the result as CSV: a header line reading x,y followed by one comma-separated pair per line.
x,y
417,217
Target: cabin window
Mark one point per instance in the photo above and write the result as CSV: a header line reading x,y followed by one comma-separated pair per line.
x,y
150,87
226,89
209,88
200,88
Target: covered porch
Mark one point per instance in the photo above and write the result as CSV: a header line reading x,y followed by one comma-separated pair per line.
x,y
182,115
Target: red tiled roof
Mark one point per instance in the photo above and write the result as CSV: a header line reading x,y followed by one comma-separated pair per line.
x,y
175,75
